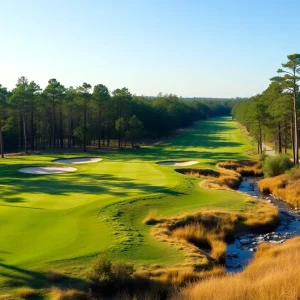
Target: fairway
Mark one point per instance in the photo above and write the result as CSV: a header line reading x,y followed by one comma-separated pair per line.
x,y
62,221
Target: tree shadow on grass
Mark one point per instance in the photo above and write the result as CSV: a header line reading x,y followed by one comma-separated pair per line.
x,y
19,277
79,183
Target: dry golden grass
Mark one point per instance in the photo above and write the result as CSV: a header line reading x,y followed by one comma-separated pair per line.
x,y
214,179
228,176
243,167
274,274
202,239
180,275
151,218
285,186
27,292
58,294
207,231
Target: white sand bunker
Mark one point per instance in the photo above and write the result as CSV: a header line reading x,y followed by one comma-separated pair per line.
x,y
47,170
79,160
177,163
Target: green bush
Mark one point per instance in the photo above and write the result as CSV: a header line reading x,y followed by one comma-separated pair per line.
x,y
276,165
110,276
262,157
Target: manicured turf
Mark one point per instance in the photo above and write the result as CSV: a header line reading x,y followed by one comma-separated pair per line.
x,y
61,221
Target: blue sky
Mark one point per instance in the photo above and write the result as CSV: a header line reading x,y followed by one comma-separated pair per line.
x,y
189,48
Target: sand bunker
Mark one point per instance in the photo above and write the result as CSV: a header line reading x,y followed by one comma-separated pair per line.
x,y
177,163
47,170
79,160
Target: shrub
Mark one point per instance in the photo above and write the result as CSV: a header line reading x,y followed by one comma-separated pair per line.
x,y
262,157
276,165
108,276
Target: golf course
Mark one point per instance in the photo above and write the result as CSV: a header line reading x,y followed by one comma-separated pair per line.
x,y
62,221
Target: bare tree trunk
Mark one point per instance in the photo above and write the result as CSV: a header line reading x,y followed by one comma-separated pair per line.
x,y
279,138
260,138
20,132
53,123
296,145
285,136
61,136
32,130
84,127
293,141
24,132
99,126
1,141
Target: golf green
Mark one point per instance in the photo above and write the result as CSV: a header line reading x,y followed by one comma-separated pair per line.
x,y
62,221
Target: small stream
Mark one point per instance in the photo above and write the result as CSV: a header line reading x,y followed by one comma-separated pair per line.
x,y
241,251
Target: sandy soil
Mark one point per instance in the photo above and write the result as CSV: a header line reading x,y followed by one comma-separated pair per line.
x,y
177,163
79,160
47,170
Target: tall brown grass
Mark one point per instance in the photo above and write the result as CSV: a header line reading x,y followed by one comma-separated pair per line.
x,y
214,179
273,274
27,293
243,167
285,186
207,231
202,236
69,294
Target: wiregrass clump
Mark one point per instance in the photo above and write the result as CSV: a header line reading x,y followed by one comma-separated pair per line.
x,y
27,293
243,167
214,179
207,231
285,186
202,237
273,274
229,173
68,294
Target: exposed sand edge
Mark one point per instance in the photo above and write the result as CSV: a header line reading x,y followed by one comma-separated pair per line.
x,y
78,160
177,163
47,170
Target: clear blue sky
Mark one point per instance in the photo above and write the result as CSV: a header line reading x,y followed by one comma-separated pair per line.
x,y
220,48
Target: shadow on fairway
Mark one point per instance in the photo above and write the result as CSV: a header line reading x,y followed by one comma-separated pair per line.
x,y
79,183
18,277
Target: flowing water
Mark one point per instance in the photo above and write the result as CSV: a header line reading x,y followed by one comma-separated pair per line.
x,y
241,251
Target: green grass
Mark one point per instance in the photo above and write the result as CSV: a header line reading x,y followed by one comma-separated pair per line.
x,y
62,221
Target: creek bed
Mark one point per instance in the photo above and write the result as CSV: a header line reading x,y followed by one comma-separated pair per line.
x,y
241,250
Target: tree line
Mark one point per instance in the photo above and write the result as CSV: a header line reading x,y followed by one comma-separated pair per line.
x,y
58,117
273,114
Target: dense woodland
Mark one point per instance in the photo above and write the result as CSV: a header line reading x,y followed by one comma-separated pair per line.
x,y
58,117
274,114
